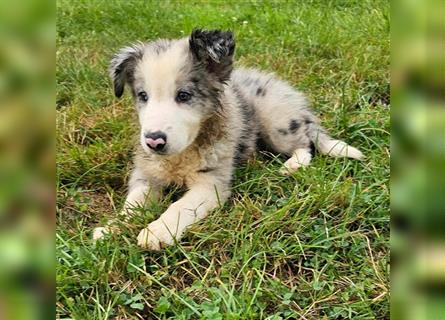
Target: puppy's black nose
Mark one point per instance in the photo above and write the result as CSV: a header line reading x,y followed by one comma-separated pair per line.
x,y
156,140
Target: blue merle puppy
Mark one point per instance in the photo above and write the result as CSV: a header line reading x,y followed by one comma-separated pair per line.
x,y
199,119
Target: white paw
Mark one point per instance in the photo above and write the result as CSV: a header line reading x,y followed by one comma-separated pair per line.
x,y
100,232
300,158
290,166
155,236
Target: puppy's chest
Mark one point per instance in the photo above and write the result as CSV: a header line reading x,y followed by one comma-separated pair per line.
x,y
181,170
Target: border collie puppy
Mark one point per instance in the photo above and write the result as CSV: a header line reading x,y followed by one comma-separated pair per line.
x,y
199,119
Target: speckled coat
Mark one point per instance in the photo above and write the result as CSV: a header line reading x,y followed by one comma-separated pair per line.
x,y
200,119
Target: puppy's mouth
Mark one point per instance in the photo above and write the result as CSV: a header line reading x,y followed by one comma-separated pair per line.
x,y
163,152
160,153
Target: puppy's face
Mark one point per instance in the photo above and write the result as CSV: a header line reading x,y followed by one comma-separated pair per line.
x,y
176,86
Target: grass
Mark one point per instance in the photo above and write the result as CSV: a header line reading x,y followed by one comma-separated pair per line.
x,y
311,246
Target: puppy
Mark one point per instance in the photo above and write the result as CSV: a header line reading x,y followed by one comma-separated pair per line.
x,y
199,119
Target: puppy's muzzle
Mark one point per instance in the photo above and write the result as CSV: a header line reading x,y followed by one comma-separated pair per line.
x,y
156,140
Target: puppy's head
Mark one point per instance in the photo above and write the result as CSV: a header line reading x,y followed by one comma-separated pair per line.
x,y
176,85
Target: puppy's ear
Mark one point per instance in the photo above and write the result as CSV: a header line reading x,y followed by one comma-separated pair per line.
x,y
214,49
122,66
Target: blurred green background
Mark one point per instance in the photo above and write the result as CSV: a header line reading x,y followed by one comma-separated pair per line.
x,y
27,104
418,160
27,171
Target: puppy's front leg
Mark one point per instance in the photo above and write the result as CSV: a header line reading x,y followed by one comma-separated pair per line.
x,y
203,196
139,192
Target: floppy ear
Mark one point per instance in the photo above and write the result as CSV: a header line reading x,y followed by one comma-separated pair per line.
x,y
214,49
122,66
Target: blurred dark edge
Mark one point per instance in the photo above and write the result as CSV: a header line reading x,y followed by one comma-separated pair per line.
x,y
27,159
418,160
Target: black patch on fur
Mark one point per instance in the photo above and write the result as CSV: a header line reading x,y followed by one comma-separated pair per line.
x,y
262,145
307,121
205,170
214,50
312,149
261,92
203,90
122,67
245,144
241,149
293,126
283,132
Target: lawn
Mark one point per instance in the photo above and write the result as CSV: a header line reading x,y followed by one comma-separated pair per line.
x,y
311,246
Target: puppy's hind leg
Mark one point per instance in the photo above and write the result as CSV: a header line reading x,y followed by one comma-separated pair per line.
x,y
291,141
300,157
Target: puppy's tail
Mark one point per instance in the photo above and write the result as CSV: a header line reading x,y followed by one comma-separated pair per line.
x,y
330,146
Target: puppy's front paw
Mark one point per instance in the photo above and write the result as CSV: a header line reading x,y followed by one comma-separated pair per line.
x,y
100,232
156,235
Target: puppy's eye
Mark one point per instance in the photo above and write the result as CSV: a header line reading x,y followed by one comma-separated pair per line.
x,y
183,96
142,96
